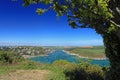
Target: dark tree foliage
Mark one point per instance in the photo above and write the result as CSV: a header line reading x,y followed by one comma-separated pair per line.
x,y
9,57
101,15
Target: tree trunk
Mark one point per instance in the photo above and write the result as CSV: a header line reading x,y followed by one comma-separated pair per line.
x,y
112,51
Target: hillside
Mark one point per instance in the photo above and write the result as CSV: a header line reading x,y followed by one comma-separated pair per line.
x,y
26,51
88,51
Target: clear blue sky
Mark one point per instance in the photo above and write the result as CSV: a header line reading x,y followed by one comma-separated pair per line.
x,y
22,25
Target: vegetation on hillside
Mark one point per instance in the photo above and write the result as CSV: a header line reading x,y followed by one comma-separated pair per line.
x,y
9,57
59,70
26,50
16,54
90,52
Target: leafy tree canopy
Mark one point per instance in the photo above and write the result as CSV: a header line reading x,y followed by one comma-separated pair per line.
x,y
98,14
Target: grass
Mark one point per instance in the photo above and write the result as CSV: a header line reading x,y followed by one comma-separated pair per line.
x,y
94,52
9,63
59,70
56,72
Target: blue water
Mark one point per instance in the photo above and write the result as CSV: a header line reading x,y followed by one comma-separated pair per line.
x,y
60,55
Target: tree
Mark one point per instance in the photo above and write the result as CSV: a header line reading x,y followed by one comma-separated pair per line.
x,y
101,15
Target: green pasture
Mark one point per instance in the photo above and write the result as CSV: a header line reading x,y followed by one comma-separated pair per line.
x,y
94,52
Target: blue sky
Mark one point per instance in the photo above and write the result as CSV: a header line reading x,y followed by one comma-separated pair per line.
x,y
22,26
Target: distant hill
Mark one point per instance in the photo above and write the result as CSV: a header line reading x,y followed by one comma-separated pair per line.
x,y
88,51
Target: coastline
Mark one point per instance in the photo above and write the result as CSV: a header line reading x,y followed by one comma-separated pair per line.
x,y
104,58
29,56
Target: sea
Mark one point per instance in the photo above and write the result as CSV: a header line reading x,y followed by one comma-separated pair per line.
x,y
61,55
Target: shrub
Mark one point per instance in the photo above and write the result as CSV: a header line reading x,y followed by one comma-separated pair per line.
x,y
9,57
29,65
60,63
84,71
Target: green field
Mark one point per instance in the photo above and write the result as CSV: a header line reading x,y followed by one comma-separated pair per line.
x,y
92,52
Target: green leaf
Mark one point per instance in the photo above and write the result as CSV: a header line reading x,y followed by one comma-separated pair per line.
x,y
41,11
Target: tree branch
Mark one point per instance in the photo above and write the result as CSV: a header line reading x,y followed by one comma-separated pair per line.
x,y
114,23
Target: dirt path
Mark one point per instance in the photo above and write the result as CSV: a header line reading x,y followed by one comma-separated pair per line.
x,y
26,75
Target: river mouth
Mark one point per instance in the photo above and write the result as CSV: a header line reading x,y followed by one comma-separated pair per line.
x,y
61,55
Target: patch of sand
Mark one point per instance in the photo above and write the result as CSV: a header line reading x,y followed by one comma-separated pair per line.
x,y
26,75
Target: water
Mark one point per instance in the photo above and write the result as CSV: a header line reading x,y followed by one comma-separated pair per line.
x,y
60,55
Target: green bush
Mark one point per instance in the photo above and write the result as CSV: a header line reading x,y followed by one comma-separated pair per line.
x,y
60,63
81,71
29,65
9,57
84,71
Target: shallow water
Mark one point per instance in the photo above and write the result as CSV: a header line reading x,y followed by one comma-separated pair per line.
x,y
60,55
